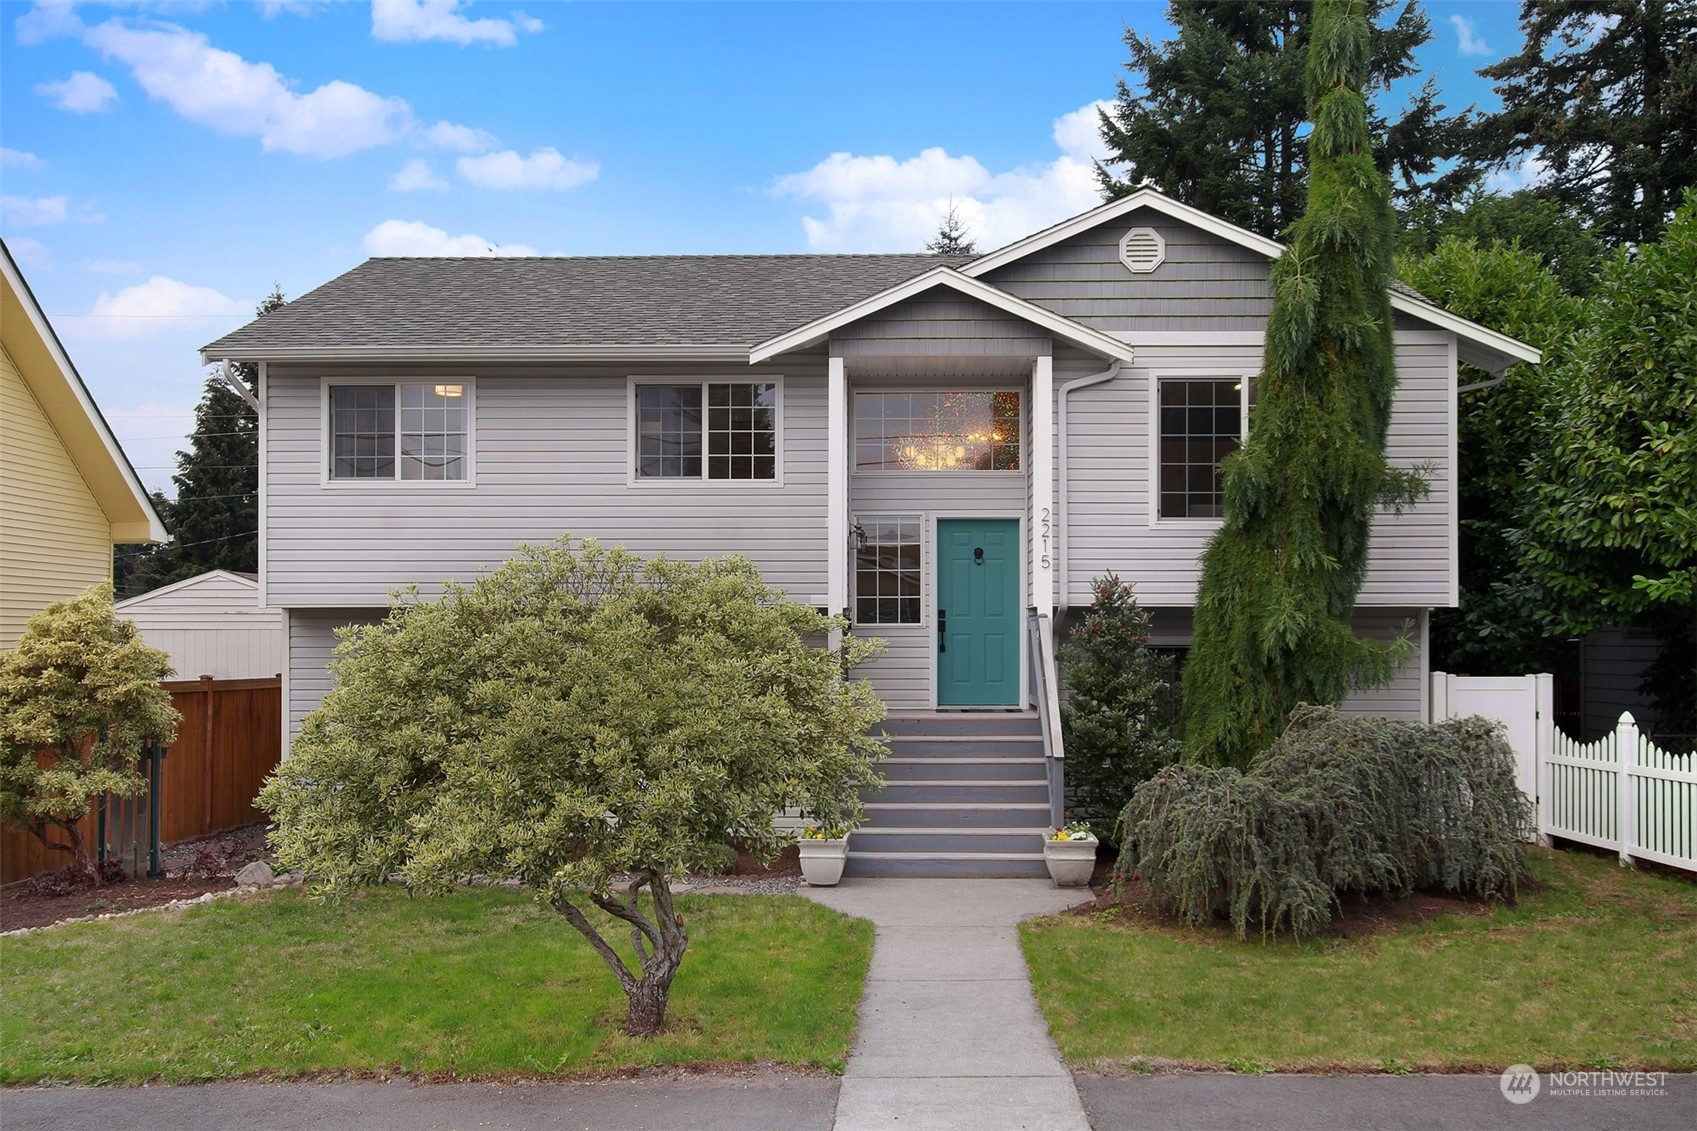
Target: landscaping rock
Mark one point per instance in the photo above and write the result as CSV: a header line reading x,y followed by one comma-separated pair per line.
x,y
255,875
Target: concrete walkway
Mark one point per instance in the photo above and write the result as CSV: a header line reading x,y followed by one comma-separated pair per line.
x,y
949,1033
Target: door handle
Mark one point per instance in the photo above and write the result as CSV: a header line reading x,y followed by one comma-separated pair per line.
x,y
942,631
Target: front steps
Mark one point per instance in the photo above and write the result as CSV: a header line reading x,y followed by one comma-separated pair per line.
x,y
965,794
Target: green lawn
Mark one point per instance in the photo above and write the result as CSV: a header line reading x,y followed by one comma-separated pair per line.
x,y
1596,968
476,983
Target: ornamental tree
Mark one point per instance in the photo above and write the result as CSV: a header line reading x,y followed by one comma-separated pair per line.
x,y
1279,579
1117,719
586,723
79,696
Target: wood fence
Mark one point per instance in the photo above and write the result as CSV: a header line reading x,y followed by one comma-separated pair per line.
x,y
230,738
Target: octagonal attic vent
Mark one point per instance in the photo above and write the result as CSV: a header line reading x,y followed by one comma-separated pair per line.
x,y
1142,250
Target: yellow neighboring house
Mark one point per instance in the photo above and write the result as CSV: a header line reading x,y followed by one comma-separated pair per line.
x,y
67,493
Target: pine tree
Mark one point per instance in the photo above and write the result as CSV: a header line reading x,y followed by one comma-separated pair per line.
x,y
952,237
214,520
1604,94
1279,580
1212,116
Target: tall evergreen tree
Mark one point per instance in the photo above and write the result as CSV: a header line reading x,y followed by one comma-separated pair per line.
x,y
1213,116
1279,579
214,520
1604,93
952,236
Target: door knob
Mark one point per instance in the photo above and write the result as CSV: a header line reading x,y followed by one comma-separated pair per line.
x,y
942,630
978,555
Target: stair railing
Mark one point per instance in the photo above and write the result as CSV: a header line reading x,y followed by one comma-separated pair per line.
x,y
1046,691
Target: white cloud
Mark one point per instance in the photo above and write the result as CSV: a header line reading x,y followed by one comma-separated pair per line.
x,y
114,267
544,169
1530,171
271,9
414,176
416,238
415,21
34,211
18,159
880,203
82,93
1468,34
157,306
1079,133
458,139
30,253
222,90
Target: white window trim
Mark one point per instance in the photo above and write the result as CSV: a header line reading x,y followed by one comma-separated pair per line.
x,y
1243,377
926,529
897,473
326,438
632,422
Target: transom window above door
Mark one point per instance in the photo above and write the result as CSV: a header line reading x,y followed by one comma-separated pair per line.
x,y
946,430
707,430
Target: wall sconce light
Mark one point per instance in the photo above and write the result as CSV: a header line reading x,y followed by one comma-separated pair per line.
x,y
857,536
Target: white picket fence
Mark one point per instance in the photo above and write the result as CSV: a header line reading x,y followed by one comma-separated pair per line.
x,y
1621,792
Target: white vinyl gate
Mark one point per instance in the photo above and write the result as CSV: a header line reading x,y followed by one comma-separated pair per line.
x,y
1621,792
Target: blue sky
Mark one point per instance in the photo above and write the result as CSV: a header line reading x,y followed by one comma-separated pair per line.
x,y
166,162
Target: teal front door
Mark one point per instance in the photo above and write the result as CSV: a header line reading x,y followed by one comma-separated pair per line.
x,y
978,612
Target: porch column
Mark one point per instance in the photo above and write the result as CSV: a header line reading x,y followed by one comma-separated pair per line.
x,y
1042,456
836,488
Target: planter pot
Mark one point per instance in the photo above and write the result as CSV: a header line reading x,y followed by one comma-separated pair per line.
x,y
822,861
1070,861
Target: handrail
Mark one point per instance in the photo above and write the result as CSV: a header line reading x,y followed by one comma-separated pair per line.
x,y
1046,689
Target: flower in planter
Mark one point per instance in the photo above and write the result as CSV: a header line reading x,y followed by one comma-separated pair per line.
x,y
1073,830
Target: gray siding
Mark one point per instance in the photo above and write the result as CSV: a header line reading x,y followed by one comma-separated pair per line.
x,y
552,453
940,322
312,641
1204,283
1402,698
1612,666
1109,468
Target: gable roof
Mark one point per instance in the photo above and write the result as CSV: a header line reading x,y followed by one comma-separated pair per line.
x,y
1479,345
614,306
820,328
45,367
222,577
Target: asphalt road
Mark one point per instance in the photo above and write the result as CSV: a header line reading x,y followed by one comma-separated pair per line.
x,y
1200,1101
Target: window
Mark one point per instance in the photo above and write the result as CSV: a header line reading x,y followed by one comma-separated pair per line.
x,y
941,431
712,430
404,430
887,571
1201,424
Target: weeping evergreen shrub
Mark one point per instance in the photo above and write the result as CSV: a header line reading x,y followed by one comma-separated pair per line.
x,y
1118,720
1340,806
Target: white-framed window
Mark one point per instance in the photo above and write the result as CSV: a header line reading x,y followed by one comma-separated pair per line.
x,y
959,430
399,431
889,570
1199,419
709,429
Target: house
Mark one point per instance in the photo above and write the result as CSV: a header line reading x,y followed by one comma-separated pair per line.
x,y
948,449
211,624
67,493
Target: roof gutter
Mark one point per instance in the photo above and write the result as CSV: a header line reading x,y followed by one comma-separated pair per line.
x,y
1085,382
717,351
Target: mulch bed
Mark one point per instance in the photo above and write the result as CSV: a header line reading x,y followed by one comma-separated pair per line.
x,y
192,868
23,907
787,863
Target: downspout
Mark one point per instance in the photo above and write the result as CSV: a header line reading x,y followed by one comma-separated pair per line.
x,y
1103,377
229,374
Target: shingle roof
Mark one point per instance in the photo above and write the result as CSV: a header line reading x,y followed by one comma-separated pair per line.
x,y
731,300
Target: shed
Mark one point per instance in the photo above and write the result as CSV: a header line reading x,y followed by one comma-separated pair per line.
x,y
211,624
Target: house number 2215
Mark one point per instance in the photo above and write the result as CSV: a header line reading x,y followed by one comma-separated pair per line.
x,y
1044,529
